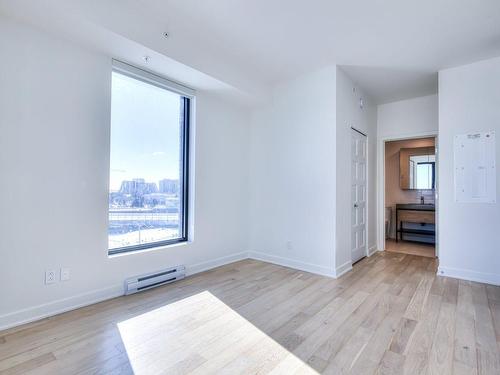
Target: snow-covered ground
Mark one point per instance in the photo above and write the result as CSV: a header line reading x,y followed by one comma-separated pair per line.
x,y
141,237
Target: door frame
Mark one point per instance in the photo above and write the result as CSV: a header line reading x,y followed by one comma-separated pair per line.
x,y
367,197
381,183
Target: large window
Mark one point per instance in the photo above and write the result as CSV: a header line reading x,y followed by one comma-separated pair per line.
x,y
148,162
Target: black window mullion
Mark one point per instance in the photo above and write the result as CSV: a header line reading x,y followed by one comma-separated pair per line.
x,y
185,166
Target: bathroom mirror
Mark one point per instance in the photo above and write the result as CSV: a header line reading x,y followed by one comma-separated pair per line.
x,y
417,168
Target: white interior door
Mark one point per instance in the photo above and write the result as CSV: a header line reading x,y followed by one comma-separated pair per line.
x,y
358,195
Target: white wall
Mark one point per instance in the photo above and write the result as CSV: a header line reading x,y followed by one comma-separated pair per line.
x,y
349,114
292,175
300,172
54,154
469,98
408,117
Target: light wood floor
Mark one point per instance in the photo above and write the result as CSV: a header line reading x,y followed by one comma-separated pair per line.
x,y
391,315
411,248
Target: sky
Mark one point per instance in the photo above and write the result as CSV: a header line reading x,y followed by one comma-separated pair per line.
x,y
145,132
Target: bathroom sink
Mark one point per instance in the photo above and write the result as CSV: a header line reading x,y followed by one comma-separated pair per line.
x,y
416,206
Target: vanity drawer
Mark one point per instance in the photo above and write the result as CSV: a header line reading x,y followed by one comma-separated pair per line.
x,y
427,217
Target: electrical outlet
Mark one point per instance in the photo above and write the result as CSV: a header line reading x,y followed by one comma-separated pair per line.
x,y
65,274
50,277
289,245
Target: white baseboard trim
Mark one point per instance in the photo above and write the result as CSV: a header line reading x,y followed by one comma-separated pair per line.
x,y
292,263
35,313
342,269
372,250
481,277
42,311
45,310
208,265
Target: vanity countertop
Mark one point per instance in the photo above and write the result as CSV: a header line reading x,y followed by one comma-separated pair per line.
x,y
415,207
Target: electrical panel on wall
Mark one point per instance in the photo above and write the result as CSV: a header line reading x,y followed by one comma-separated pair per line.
x,y
475,176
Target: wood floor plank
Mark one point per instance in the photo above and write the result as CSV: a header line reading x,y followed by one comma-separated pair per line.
x,y
495,312
391,364
438,286
450,293
402,335
334,344
460,368
465,340
327,326
493,292
488,361
31,364
273,318
369,359
390,315
280,333
485,332
318,364
414,310
418,349
346,357
441,358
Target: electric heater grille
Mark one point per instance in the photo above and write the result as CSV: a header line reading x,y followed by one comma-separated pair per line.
x,y
151,280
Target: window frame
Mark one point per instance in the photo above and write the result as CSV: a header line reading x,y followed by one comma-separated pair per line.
x,y
187,96
433,173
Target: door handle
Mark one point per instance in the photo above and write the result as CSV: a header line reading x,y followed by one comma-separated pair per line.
x,y
356,205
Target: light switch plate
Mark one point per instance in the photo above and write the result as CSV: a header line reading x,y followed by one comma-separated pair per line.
x,y
65,274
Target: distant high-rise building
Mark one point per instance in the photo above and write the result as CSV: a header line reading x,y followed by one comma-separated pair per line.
x,y
169,186
138,187
127,187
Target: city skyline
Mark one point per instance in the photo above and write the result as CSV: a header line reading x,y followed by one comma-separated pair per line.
x,y
164,185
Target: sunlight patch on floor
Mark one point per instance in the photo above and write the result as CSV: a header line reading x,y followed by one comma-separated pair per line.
x,y
199,335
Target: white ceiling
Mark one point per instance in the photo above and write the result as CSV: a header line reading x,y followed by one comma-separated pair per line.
x,y
388,85
392,48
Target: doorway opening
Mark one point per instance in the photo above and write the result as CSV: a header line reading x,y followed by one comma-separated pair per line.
x,y
409,196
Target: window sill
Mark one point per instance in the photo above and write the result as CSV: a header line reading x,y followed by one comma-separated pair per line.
x,y
150,249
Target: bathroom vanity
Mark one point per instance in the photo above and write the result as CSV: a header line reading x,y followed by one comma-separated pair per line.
x,y
416,222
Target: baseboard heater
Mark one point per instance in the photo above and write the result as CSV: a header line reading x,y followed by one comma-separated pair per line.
x,y
152,280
